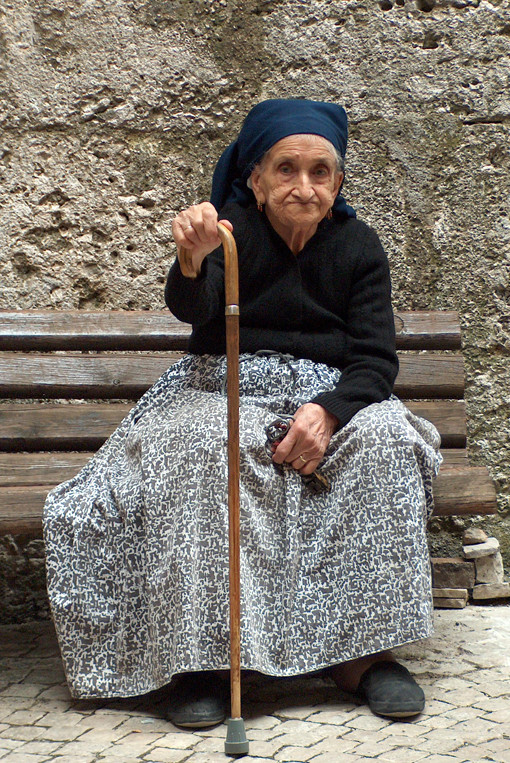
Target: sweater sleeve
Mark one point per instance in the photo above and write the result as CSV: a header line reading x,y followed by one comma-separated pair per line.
x,y
370,362
197,300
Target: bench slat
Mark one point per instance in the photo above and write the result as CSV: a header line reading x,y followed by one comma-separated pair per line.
x,y
430,376
128,376
462,490
36,469
21,509
457,490
79,330
80,376
428,330
160,330
58,426
70,426
50,468
454,457
448,416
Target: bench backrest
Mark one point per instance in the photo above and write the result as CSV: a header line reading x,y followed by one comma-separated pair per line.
x,y
110,358
118,355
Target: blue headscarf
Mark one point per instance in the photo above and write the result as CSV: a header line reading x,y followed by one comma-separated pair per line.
x,y
266,124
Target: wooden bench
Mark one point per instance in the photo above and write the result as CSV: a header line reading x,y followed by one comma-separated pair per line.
x,y
66,379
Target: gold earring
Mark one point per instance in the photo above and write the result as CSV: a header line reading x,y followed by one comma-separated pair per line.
x,y
259,206
330,213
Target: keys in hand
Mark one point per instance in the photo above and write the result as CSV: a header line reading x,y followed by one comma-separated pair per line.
x,y
275,432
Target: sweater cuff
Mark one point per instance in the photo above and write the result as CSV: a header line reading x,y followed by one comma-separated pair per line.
x,y
343,409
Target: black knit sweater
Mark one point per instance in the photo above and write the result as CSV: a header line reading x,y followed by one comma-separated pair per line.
x,y
330,303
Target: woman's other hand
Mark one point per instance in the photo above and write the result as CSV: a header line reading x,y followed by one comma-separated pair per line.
x,y
195,229
306,441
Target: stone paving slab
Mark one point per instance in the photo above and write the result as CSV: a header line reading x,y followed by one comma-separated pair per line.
x,y
464,670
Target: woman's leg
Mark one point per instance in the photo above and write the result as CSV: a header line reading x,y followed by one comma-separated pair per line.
x,y
347,675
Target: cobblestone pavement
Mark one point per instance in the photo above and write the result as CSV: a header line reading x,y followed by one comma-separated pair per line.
x,y
464,669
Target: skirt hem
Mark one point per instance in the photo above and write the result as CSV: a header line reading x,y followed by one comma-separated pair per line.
x,y
288,673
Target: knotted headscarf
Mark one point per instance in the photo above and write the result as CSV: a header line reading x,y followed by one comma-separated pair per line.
x,y
266,124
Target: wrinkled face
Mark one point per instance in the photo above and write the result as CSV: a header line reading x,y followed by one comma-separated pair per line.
x,y
297,181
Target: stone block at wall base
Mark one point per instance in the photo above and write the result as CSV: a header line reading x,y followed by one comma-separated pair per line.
x,y
474,535
450,598
452,573
491,591
489,569
475,551
449,603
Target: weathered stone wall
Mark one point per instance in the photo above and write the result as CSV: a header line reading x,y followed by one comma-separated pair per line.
x,y
113,112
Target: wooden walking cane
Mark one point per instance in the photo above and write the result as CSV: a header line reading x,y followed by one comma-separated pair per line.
x,y
236,742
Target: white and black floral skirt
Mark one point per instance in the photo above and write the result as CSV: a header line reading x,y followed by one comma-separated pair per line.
x,y
137,542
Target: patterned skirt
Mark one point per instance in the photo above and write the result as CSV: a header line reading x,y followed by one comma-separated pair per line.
x,y
137,542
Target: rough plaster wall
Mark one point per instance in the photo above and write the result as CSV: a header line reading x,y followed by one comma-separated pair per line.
x,y
113,112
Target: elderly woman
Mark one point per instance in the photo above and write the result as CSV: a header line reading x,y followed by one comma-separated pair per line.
x,y
335,570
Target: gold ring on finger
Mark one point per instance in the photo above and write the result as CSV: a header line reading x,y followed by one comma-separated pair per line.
x,y
303,459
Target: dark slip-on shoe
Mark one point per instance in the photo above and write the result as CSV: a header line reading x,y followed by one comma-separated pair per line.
x,y
197,700
391,691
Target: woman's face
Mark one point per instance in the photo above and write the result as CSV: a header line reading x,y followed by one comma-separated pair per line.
x,y
298,181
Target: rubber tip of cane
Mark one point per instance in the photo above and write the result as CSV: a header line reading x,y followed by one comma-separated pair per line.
x,y
236,742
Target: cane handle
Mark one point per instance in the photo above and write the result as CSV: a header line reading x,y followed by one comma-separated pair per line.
x,y
186,263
